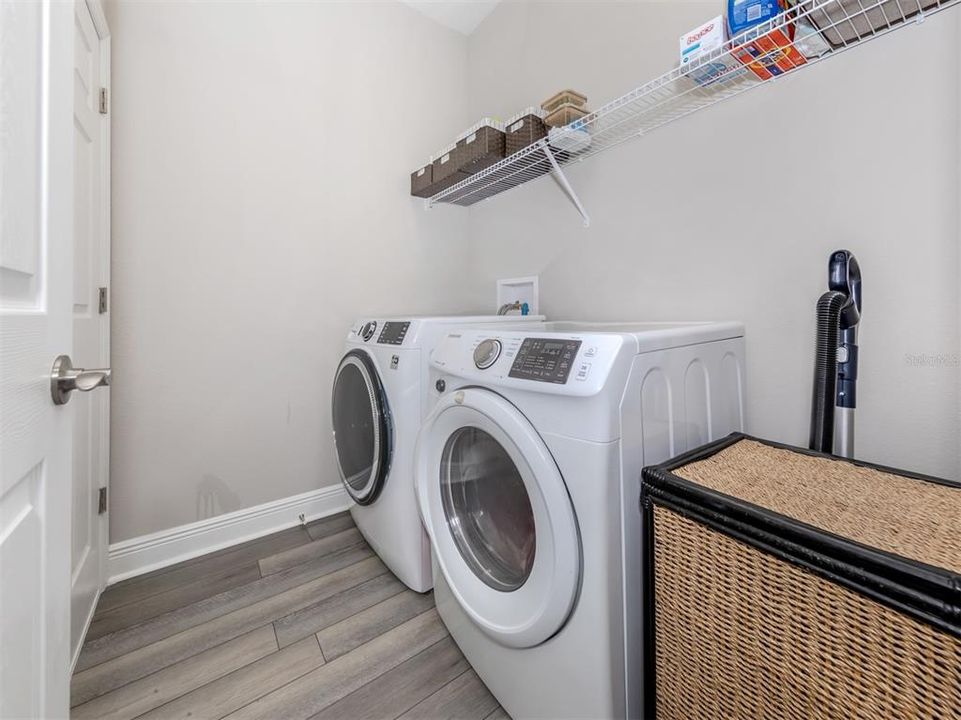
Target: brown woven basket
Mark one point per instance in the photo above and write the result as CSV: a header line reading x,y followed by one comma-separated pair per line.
x,y
480,149
447,172
782,583
523,132
421,181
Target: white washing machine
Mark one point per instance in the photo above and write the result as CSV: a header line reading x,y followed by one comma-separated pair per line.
x,y
527,473
378,402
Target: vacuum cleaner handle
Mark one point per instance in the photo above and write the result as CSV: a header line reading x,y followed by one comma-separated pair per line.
x,y
844,276
836,358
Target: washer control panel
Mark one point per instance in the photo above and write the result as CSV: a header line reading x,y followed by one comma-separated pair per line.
x,y
545,359
486,353
393,333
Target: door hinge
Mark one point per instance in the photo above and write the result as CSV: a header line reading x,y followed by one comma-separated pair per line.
x,y
102,501
103,101
102,303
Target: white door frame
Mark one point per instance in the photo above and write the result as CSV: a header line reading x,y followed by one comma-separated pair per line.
x,y
95,9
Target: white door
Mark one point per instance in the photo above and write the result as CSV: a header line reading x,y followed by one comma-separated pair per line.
x,y
499,516
91,329
36,284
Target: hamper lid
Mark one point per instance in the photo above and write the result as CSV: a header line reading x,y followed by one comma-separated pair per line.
x,y
893,535
907,516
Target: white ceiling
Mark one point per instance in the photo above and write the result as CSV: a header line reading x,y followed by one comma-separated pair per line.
x,y
461,15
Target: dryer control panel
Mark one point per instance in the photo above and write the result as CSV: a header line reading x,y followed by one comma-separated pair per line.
x,y
545,359
548,362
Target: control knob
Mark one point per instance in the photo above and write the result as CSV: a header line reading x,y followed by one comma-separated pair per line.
x,y
367,332
486,353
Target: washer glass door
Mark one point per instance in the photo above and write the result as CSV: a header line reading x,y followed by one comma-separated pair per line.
x,y
499,516
487,508
361,422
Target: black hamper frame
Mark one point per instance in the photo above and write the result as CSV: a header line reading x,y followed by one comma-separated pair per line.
x,y
927,593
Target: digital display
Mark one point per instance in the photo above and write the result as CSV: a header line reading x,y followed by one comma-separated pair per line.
x,y
545,360
393,333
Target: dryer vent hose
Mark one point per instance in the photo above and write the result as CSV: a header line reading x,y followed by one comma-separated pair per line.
x,y
826,371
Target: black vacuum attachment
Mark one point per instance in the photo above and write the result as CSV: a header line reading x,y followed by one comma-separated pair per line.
x,y
836,357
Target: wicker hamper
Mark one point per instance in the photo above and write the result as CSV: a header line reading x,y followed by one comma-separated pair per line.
x,y
782,583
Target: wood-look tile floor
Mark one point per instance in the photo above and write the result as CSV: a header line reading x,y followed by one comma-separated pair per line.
x,y
305,623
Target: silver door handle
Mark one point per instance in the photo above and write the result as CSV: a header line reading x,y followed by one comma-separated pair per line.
x,y
65,378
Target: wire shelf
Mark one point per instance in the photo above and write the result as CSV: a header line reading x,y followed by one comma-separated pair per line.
x,y
807,33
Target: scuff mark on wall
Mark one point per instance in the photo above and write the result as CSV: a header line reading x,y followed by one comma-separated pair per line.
x,y
214,497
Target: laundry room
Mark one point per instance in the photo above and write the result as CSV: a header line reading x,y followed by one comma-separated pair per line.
x,y
480,359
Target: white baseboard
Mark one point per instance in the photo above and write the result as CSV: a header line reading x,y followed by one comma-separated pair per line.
x,y
150,552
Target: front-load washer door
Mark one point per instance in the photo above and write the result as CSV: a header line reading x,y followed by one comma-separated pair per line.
x,y
499,516
362,427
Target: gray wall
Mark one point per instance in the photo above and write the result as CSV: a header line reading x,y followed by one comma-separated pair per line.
x,y
260,161
260,206
732,213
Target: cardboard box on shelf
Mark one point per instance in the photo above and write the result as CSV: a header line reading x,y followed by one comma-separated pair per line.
x,y
771,54
703,39
765,52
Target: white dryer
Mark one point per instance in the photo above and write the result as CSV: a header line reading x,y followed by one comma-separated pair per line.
x,y
527,473
378,401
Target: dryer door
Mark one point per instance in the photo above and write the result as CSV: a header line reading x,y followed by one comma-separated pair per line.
x,y
499,516
362,427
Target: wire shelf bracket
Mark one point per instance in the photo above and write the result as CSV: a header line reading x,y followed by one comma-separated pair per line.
x,y
562,180
752,59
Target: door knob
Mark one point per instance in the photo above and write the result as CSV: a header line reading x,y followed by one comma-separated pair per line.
x,y
65,378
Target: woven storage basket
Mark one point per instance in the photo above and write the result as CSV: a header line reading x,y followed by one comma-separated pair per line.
x,y
480,149
523,131
421,181
781,583
446,171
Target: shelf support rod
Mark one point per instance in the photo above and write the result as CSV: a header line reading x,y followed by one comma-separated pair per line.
x,y
561,178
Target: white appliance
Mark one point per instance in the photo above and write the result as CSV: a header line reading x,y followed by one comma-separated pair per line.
x,y
378,402
527,473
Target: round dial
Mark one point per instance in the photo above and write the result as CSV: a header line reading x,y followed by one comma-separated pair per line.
x,y
486,353
367,332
